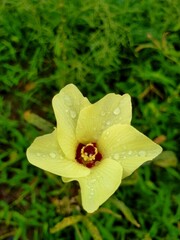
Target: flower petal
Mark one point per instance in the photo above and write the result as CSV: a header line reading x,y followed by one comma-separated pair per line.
x,y
100,184
46,154
128,146
110,110
67,104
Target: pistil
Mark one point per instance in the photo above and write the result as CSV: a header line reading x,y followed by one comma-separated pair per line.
x,y
88,154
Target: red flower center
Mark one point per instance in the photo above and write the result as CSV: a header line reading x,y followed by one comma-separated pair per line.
x,y
88,154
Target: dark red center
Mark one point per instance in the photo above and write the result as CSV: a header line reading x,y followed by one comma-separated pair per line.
x,y
88,155
90,150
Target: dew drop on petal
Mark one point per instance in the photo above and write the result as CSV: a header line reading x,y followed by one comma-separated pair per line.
x,y
107,133
91,192
108,123
116,156
38,154
103,114
67,100
91,183
142,153
117,111
130,152
52,155
73,114
93,180
90,187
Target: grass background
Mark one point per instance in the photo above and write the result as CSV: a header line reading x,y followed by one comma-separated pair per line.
x,y
101,46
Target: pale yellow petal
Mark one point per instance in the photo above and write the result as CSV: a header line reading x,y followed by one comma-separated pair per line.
x,y
67,105
65,179
128,146
110,110
46,154
100,184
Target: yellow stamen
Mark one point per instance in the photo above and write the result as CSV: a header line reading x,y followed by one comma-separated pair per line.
x,y
90,156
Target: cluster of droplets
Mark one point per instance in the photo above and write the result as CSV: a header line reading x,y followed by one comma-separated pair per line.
x,y
91,185
116,112
125,154
68,102
51,155
107,123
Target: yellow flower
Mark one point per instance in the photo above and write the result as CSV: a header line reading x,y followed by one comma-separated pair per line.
x,y
93,144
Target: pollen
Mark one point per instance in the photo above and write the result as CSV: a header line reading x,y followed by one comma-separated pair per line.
x,y
88,154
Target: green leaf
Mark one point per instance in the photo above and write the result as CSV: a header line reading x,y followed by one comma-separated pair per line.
x,y
92,229
38,121
13,157
126,211
66,222
109,212
166,159
131,180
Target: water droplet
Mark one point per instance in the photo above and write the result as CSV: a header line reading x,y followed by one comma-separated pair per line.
x,y
38,154
108,123
91,192
99,178
73,114
116,156
90,184
142,153
67,100
117,111
52,155
67,110
103,114
107,133
130,152
93,180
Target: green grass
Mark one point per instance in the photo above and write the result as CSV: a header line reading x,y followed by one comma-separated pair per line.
x,y
101,46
